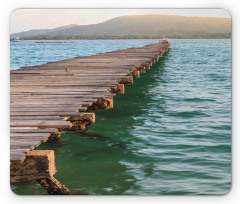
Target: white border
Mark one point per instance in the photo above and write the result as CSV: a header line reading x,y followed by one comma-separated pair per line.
x,y
8,6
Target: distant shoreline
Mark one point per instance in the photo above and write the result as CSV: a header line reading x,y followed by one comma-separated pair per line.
x,y
131,39
122,38
199,35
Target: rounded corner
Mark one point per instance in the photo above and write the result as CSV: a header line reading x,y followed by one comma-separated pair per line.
x,y
228,191
14,10
227,11
12,192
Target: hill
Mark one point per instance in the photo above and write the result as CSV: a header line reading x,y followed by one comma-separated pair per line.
x,y
42,31
143,26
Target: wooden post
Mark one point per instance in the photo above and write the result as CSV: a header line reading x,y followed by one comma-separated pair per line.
x,y
118,90
141,69
109,102
80,122
104,103
127,80
37,164
130,79
55,136
147,66
136,74
53,186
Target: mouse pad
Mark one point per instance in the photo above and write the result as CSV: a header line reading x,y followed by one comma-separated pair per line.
x,y
120,101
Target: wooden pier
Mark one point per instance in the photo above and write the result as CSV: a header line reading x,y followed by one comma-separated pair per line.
x,y
63,95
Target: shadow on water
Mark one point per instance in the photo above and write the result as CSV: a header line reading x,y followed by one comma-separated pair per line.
x,y
93,161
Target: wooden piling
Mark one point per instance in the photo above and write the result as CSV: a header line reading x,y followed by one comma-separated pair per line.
x,y
119,89
81,122
53,186
136,74
37,164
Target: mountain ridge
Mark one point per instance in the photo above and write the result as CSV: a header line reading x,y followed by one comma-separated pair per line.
x,y
146,25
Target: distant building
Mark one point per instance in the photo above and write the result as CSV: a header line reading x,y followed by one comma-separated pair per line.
x,y
16,39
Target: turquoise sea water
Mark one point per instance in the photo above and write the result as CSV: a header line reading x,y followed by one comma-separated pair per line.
x,y
169,134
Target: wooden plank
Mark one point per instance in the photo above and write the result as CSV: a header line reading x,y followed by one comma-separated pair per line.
x,y
43,102
31,139
35,138
40,109
53,113
64,81
17,157
26,131
24,144
41,123
77,99
108,85
56,76
27,135
85,98
59,88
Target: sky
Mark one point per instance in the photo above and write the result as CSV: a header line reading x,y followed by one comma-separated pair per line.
x,y
27,19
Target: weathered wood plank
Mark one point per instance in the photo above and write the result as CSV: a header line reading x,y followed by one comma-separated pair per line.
x,y
30,131
40,109
41,123
28,135
52,113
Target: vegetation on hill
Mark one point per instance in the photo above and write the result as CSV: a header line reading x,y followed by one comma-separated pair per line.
x,y
140,27
112,37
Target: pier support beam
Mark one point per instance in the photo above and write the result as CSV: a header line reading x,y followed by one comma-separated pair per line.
x,y
127,80
147,66
104,103
118,90
38,165
55,136
80,123
53,186
136,74
141,69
